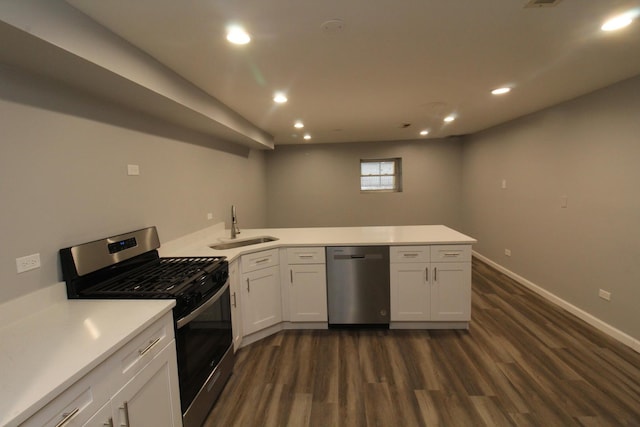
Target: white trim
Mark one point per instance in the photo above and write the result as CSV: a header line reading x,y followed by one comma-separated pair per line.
x,y
578,312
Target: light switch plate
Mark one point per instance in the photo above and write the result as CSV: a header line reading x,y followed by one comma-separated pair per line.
x,y
133,170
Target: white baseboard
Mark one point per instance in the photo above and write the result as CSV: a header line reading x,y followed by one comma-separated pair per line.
x,y
581,314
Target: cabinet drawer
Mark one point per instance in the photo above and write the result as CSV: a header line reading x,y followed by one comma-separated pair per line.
x,y
450,253
259,260
137,353
308,255
78,403
409,253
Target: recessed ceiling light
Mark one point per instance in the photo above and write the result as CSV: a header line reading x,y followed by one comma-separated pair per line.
x,y
237,35
449,118
280,98
298,125
501,90
307,136
424,132
618,22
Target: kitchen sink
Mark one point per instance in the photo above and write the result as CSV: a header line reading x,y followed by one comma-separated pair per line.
x,y
245,242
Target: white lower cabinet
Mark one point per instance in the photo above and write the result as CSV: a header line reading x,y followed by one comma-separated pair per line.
x,y
150,398
307,284
410,292
136,386
260,284
423,290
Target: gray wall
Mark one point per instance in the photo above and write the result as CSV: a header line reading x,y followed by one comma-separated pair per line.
x,y
588,150
319,185
63,180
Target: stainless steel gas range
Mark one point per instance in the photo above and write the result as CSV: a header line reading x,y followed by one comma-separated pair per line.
x,y
128,266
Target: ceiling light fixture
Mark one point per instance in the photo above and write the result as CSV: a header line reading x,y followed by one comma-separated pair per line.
x,y
501,91
449,118
237,35
424,132
307,136
280,98
618,22
298,125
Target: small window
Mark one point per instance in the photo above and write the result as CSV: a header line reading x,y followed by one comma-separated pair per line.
x,y
381,175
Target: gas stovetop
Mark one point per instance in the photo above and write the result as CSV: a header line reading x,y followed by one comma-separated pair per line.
x,y
128,266
164,277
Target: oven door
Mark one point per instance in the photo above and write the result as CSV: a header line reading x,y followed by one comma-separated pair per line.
x,y
204,342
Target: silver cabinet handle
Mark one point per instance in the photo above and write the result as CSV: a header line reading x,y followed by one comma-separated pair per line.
x,y
291,274
409,255
426,272
248,287
451,254
260,261
234,300
435,274
109,423
125,408
67,417
147,348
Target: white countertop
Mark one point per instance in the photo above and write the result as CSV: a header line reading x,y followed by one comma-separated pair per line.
x,y
44,352
197,244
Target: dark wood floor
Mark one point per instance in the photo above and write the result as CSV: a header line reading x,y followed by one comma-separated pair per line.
x,y
523,362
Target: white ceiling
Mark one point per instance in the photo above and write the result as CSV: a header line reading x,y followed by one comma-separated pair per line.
x,y
394,62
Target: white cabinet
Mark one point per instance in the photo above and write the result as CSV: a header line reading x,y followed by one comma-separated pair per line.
x,y
260,284
151,397
139,381
236,310
307,284
430,283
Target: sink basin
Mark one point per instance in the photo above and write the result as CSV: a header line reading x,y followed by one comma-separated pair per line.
x,y
241,243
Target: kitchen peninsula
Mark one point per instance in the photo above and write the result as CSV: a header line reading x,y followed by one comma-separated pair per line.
x,y
281,284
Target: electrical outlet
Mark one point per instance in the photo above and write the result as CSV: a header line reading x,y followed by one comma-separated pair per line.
x,y
507,252
604,294
504,184
29,262
210,216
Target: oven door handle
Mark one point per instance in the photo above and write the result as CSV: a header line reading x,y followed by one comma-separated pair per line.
x,y
195,313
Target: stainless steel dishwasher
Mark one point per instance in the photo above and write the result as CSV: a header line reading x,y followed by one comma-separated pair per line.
x,y
358,285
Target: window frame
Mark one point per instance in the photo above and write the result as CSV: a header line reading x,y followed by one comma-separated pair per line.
x,y
397,161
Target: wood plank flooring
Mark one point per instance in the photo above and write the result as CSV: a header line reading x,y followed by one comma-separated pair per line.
x,y
523,362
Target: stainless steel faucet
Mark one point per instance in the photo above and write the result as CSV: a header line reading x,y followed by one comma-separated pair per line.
x,y
234,223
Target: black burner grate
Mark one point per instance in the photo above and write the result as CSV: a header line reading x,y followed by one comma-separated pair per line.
x,y
165,277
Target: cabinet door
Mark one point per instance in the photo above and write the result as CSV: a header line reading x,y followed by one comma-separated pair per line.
x,y
308,293
151,398
236,311
261,303
410,292
451,291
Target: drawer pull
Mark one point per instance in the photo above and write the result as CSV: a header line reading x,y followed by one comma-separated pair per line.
x,y
147,348
260,261
451,254
410,255
125,408
426,274
291,274
248,286
435,274
67,417
305,256
235,304
109,423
